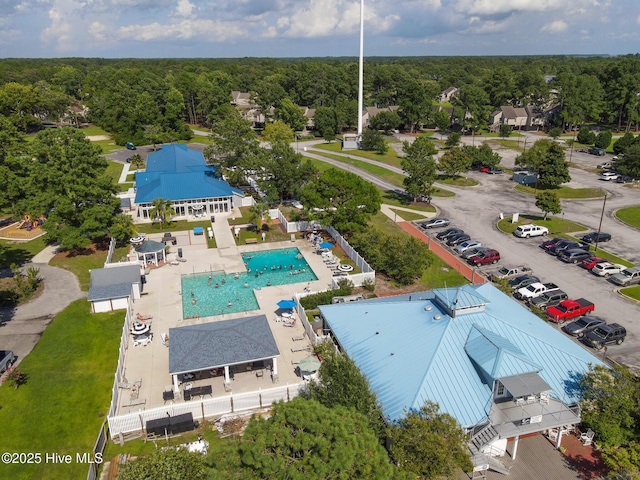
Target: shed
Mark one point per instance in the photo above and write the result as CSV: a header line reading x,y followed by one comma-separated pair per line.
x,y
112,288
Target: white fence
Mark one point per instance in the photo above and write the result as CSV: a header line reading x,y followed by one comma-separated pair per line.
x,y
135,422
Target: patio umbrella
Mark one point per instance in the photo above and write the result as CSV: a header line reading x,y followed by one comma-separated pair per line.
x,y
309,364
326,245
286,304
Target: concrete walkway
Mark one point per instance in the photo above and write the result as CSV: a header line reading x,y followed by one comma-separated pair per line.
x,y
124,173
225,241
22,327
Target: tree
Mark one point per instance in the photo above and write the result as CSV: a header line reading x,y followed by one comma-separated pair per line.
x,y
586,136
429,444
386,121
137,161
505,130
342,384
414,102
373,140
232,139
482,156
610,404
454,161
291,114
326,121
284,172
161,211
555,132
548,202
123,228
344,200
629,164
554,170
603,139
277,132
257,212
154,134
453,139
442,121
303,439
623,143
65,180
165,463
420,167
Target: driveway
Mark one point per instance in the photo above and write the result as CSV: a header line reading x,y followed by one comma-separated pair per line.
x,y
21,328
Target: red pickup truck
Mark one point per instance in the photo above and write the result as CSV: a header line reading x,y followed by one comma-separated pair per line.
x,y
568,309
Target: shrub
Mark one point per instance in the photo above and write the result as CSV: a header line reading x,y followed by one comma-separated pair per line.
x,y
14,377
324,298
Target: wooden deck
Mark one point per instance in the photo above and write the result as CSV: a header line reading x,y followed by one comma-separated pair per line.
x,y
536,459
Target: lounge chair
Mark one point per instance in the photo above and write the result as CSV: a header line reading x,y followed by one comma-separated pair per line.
x,y
587,438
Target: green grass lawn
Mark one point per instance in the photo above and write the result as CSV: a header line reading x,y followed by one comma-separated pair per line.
x,y
630,215
409,216
175,226
631,292
114,170
439,275
19,252
565,192
94,130
383,173
458,181
554,224
67,394
80,265
390,158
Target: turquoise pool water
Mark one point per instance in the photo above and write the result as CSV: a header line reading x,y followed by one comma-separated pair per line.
x,y
215,293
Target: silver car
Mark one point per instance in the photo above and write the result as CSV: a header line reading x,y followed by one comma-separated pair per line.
x,y
583,325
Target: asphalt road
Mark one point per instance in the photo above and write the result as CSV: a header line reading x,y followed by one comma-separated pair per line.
x,y
477,210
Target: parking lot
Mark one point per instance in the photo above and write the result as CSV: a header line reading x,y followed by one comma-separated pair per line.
x,y
477,210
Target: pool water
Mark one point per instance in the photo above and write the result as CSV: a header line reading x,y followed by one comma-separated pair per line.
x,y
215,293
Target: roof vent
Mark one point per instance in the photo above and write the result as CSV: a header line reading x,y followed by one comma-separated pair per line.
x,y
428,308
437,317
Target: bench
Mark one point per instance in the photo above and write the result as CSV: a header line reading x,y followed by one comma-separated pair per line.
x,y
297,339
251,240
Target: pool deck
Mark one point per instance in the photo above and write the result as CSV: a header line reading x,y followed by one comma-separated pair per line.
x,y
162,299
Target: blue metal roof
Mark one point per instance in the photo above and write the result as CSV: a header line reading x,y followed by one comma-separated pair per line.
x,y
177,173
412,351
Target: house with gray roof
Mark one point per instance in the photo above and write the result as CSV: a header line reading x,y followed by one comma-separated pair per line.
x,y
497,368
183,176
113,287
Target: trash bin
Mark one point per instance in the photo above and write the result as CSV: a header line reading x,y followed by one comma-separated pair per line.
x,y
213,219
179,252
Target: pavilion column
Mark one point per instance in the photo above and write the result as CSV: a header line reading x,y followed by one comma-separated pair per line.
x,y
515,448
559,439
226,374
176,384
275,366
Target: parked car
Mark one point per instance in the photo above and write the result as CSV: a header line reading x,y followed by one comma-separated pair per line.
x,y
448,232
474,251
624,179
597,151
574,255
628,276
568,309
591,262
583,325
464,246
458,239
605,335
530,230
560,247
508,272
493,170
7,358
549,299
595,236
608,176
130,146
490,256
522,281
604,165
435,223
535,290
607,269
546,245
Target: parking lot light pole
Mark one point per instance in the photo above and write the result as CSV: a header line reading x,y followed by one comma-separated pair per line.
x,y
604,203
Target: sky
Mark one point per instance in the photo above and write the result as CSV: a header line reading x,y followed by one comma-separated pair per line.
x,y
315,28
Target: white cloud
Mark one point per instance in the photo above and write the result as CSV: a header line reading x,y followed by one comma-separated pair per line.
x,y
558,26
184,8
186,29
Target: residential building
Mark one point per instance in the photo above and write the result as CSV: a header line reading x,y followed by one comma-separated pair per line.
x,y
497,368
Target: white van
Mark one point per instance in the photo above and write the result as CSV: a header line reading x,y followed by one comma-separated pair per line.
x,y
530,230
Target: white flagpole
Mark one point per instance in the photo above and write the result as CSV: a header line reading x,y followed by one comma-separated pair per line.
x,y
360,71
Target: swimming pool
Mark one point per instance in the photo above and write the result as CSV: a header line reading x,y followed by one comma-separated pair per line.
x,y
215,293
